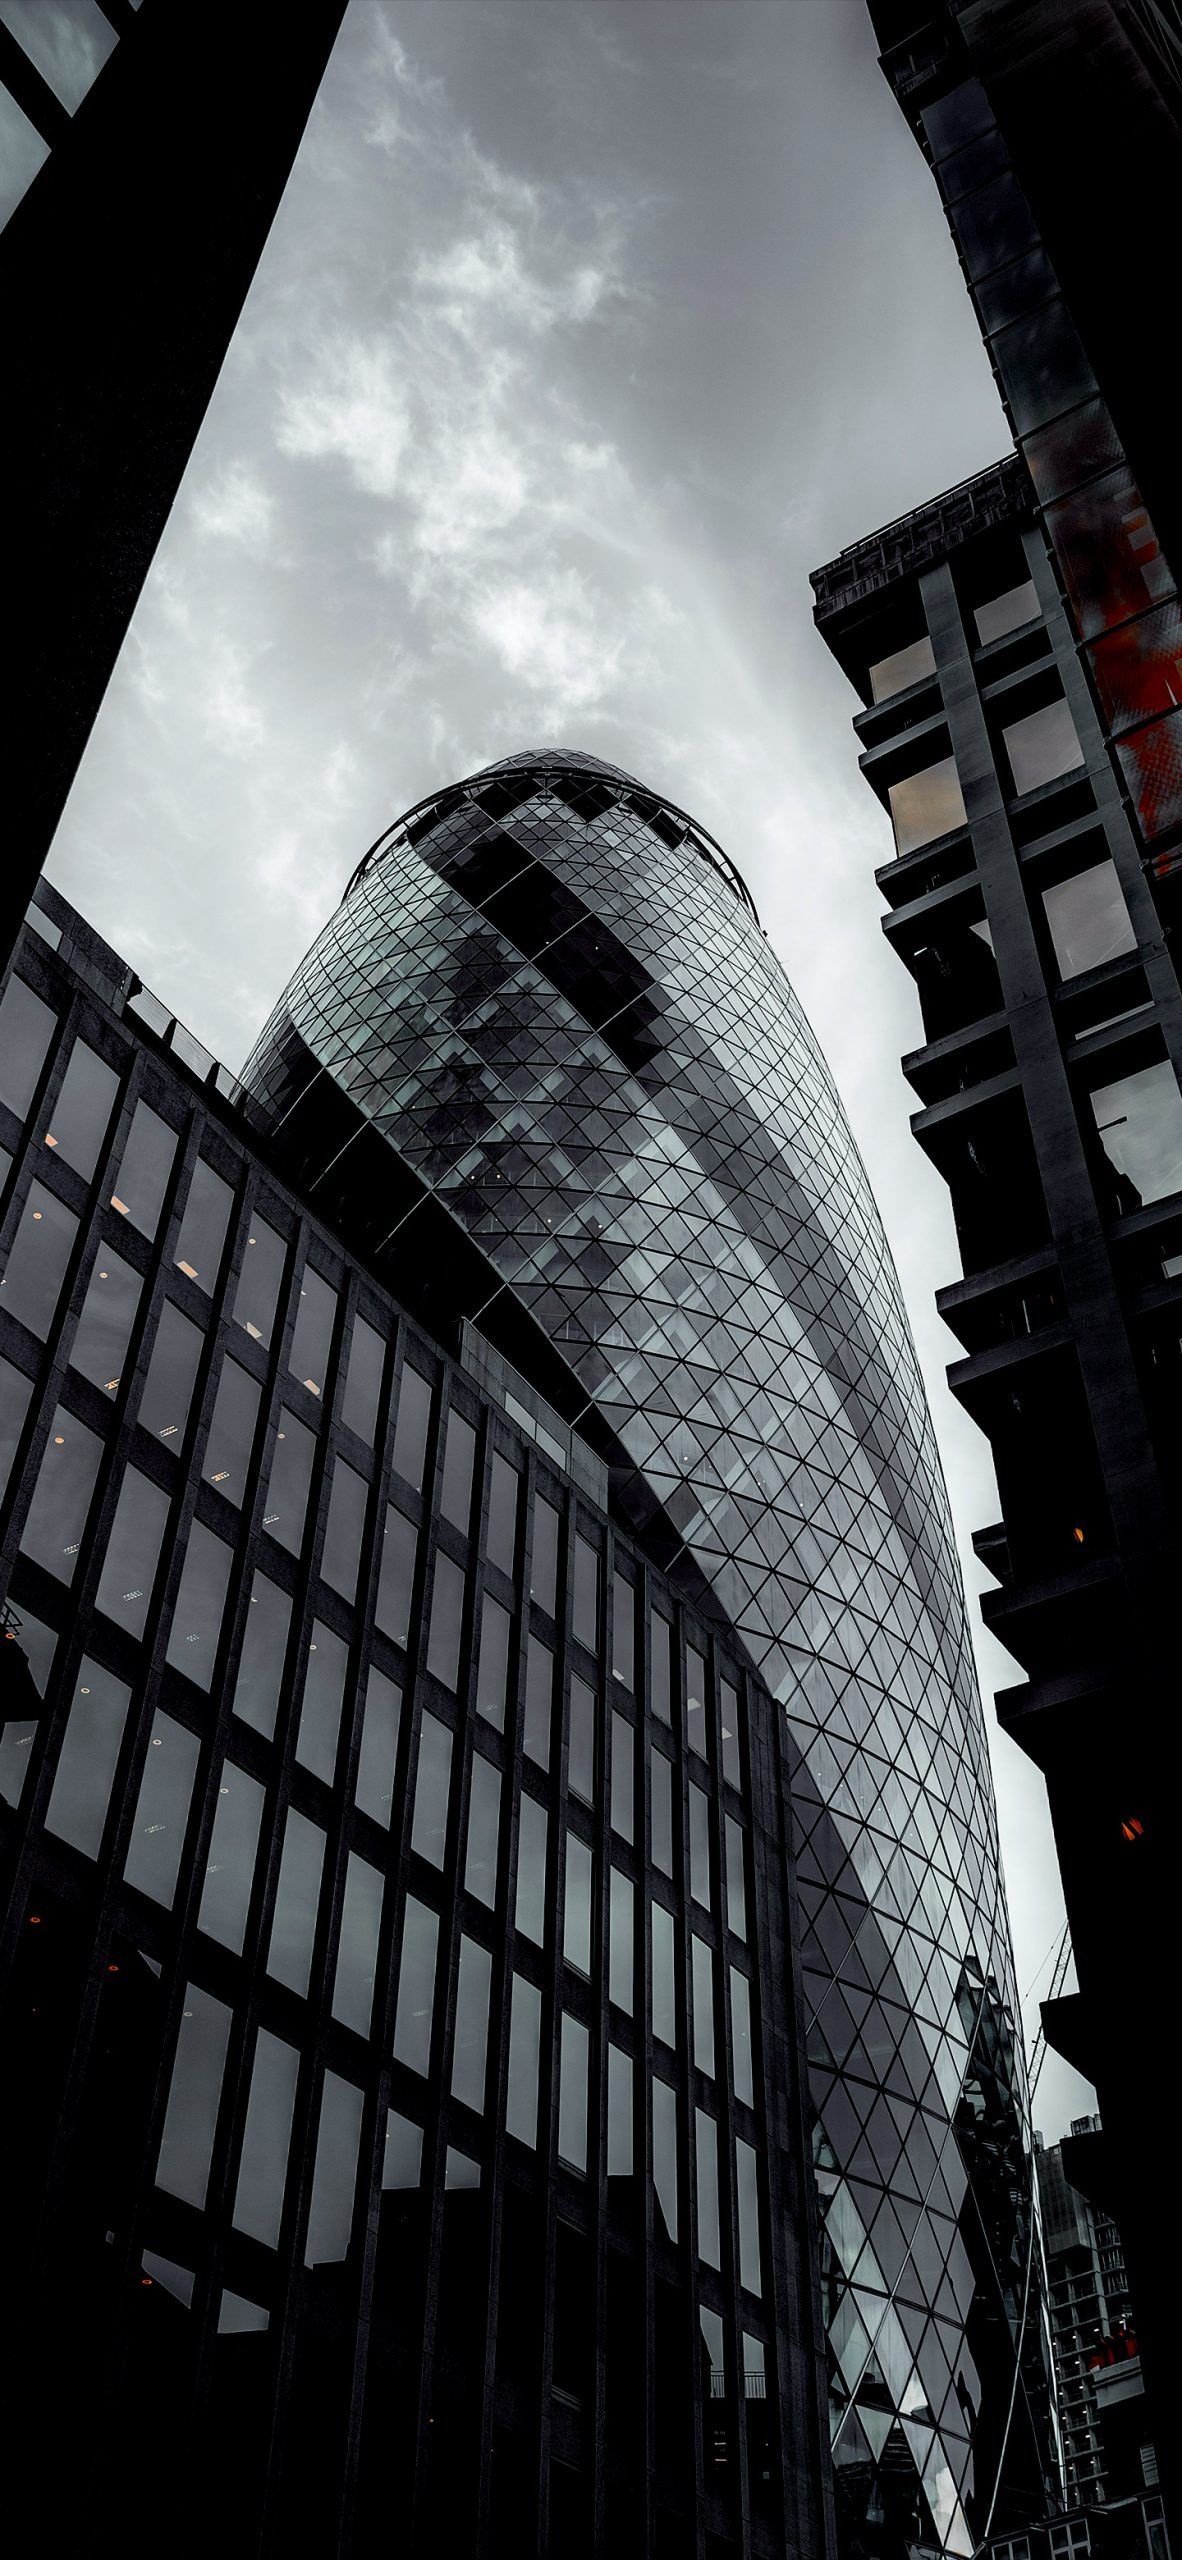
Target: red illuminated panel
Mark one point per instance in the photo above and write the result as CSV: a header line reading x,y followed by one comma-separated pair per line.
x,y
1151,762
1138,669
1108,551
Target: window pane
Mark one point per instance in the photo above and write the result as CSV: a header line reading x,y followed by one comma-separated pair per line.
x,y
623,1779
311,1341
664,1975
1139,1120
291,1475
340,1562
262,2170
926,805
620,1946
484,1813
61,1496
29,1648
576,1917
197,1617
572,2093
696,1694
357,1954
504,1491
264,1644
132,1552
104,1326
736,1892
324,1691
662,1813
190,2121
747,2183
665,2154
260,1281
37,1259
363,1381
619,2113
229,1875
699,1832
147,1162
732,1758
416,1986
539,1700
168,1387
15,1391
706,2141
586,1602
742,2069
492,1675
432,1787
158,1829
396,1576
531,1871
1007,612
293,1925
904,667
379,1748
447,1620
470,2048
703,2008
86,1763
412,1426
231,1432
543,1567
26,1028
525,2047
402,2154
334,2179
623,1631
459,1460
1088,919
661,1686
1042,746
81,1116
581,1756
203,1227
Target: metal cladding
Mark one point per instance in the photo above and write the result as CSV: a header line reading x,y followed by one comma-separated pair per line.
x,y
548,990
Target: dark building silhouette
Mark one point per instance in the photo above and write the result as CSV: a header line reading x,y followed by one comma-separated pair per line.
x,y
1017,645
1092,2336
543,1045
146,145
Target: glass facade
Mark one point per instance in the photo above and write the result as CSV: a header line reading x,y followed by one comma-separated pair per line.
x,y
548,994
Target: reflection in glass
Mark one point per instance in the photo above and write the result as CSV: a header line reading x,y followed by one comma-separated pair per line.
x,y
262,2168
459,1460
81,1116
619,2113
340,1562
525,2046
576,1915
469,2050
104,1326
1088,919
86,1762
585,1621
484,1813
699,1840
432,1786
402,2153
904,667
662,1813
260,1281
264,1644
742,2073
1007,612
229,1874
504,1492
492,1675
61,1496
396,1576
132,1552
661,1680
416,1986
26,1028
736,1890
926,805
291,1476
311,1341
1042,746
623,1631
706,2141
1139,1121
162,1810
539,1700
238,2318
293,1924
168,1387
334,2179
696,1694
197,1615
204,1222
142,1178
665,2154
572,2092
412,1426
363,1381
623,1779
231,1432
447,1620
664,1974
320,1712
703,1982
620,1958
732,1757
379,1748
747,2184
357,1953
37,1260
581,1755
186,2143
531,1871
543,1563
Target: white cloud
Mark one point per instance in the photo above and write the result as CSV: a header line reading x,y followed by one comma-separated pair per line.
x,y
549,633
237,507
354,410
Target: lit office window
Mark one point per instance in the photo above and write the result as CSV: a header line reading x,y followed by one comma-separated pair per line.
x,y
109,1310
311,1341
172,1370
260,1280
204,1221
37,1260
926,805
143,1176
902,668
81,1116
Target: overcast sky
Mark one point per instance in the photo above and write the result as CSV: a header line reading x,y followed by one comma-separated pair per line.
x,y
585,330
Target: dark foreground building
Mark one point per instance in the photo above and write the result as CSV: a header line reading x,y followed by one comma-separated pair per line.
x,y
144,147
1018,647
1092,2335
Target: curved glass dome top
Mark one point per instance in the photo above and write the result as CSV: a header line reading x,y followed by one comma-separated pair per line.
x,y
569,1025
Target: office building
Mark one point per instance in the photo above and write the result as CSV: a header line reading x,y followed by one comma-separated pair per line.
x,y
1090,2314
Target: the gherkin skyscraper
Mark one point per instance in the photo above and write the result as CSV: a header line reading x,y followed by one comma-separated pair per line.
x,y
547,990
